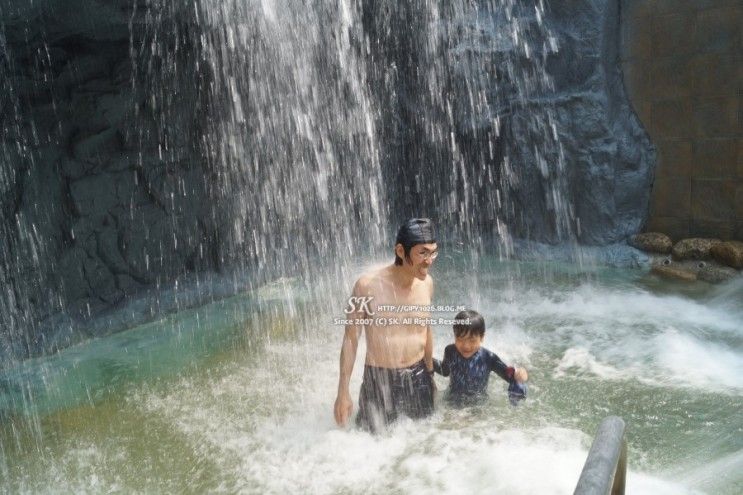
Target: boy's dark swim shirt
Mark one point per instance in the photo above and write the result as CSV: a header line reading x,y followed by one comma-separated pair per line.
x,y
469,376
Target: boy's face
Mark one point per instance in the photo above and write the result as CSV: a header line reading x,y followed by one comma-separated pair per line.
x,y
468,344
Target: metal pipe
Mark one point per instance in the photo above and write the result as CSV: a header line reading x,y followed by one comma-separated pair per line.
x,y
605,470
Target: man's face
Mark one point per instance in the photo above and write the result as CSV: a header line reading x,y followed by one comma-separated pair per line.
x,y
468,344
422,257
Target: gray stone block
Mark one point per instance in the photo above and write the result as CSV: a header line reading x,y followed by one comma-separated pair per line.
x,y
675,227
671,34
671,76
712,199
717,117
719,30
675,158
672,118
672,198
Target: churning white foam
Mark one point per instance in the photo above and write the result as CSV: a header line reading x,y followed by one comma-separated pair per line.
x,y
580,359
293,445
623,333
692,361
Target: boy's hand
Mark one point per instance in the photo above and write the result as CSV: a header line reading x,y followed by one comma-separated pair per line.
x,y
520,375
343,408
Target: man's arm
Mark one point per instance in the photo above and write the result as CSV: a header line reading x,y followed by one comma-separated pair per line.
x,y
343,402
428,350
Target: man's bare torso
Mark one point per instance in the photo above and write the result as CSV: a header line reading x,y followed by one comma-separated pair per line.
x,y
394,339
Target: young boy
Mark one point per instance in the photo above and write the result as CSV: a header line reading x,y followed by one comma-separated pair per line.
x,y
470,365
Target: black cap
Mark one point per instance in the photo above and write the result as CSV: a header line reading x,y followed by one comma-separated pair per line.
x,y
416,231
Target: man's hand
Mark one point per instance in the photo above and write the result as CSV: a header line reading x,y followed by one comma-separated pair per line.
x,y
343,408
520,375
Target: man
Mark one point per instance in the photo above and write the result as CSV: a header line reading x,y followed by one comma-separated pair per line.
x,y
399,342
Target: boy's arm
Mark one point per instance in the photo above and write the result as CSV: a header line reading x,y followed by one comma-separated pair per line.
x,y
500,368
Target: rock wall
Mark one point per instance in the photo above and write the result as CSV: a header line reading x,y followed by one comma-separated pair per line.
x,y
510,118
141,142
106,189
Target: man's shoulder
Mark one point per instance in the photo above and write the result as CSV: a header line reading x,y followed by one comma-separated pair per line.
x,y
368,280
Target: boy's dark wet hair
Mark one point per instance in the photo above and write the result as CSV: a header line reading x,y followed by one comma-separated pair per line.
x,y
475,327
414,231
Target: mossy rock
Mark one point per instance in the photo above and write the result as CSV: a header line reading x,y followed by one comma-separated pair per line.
x,y
652,242
695,248
728,253
716,274
674,272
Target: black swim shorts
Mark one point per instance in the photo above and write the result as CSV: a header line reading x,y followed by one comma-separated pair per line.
x,y
387,393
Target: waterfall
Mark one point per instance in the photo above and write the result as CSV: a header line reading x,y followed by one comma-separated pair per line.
x,y
147,145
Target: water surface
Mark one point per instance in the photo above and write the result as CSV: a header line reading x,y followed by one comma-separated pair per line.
x,y
237,396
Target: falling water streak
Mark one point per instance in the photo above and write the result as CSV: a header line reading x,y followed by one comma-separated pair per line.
x,y
485,98
299,154
24,260
290,121
292,105
292,134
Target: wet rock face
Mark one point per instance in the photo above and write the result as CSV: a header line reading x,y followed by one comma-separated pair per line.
x,y
110,187
100,199
520,108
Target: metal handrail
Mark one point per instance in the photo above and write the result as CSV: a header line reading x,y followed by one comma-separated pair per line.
x,y
605,470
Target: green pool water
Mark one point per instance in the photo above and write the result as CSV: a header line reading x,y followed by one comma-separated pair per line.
x,y
236,396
